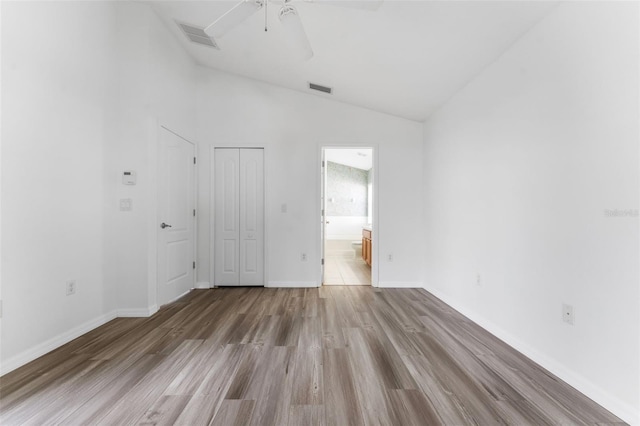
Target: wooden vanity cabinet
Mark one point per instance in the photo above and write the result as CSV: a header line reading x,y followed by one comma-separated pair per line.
x,y
366,246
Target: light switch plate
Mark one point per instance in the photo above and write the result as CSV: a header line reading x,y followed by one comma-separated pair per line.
x,y
129,177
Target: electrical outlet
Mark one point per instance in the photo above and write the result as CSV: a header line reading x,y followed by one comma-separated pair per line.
x,y
303,257
390,257
71,287
567,313
126,204
478,280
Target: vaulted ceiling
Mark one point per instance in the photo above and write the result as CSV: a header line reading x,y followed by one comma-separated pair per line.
x,y
406,58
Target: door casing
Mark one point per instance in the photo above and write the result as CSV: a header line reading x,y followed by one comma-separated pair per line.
x,y
321,174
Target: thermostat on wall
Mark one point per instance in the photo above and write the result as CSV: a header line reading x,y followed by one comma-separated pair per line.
x,y
128,177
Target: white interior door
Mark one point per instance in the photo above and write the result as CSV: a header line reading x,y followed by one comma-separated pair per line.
x,y
239,217
176,224
251,217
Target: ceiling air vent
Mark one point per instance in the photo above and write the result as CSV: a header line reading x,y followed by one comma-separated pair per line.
x,y
320,88
197,35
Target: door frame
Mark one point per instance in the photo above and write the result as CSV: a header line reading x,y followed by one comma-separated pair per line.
x,y
375,250
157,219
212,229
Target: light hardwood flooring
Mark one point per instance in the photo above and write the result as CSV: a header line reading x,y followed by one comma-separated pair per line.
x,y
258,356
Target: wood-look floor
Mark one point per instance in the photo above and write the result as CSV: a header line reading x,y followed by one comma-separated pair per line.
x,y
257,356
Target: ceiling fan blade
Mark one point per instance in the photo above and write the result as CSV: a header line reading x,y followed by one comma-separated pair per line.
x,y
356,4
233,17
294,31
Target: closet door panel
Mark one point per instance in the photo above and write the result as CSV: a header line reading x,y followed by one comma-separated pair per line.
x,y
252,217
227,217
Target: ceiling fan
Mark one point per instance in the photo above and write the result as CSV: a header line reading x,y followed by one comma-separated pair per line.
x,y
288,15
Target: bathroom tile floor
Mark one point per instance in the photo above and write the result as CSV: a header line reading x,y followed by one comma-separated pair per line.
x,y
341,270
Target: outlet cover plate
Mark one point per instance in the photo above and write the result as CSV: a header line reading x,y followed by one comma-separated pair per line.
x,y
71,287
567,313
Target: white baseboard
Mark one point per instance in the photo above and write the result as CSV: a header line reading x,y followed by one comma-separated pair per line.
x,y
626,412
53,343
153,309
400,284
137,312
203,285
292,284
180,296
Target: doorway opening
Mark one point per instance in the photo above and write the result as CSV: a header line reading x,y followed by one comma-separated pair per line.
x,y
347,222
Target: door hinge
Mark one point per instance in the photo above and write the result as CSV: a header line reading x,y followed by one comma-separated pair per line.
x,y
194,160
322,212
322,163
194,265
322,262
194,212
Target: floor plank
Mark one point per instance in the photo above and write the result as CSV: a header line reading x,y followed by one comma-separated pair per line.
x,y
234,412
308,415
328,356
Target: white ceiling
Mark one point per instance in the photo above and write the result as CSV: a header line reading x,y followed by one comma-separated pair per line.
x,y
360,158
405,59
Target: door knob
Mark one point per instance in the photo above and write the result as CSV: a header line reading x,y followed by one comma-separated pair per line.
x,y
327,222
164,225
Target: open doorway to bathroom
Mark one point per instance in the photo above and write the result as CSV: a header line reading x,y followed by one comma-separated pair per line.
x,y
347,199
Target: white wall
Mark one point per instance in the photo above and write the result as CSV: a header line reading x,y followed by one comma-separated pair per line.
x,y
156,87
57,100
345,227
77,111
519,169
292,126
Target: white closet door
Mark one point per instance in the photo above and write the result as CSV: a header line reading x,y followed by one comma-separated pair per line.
x,y
227,217
239,217
251,217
